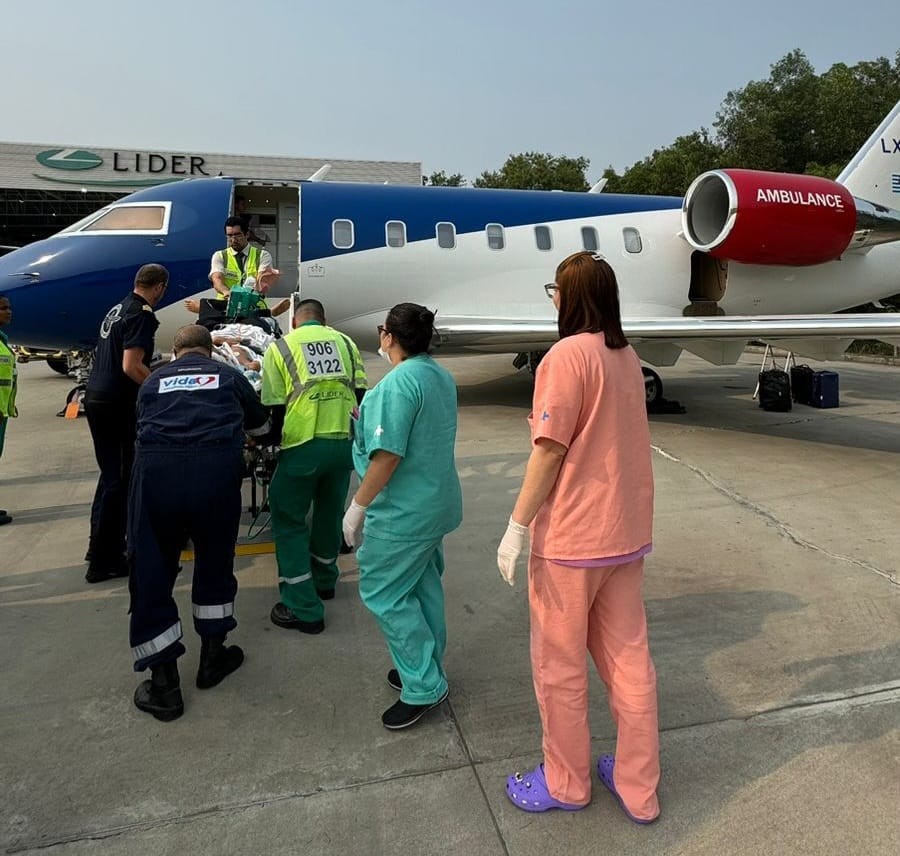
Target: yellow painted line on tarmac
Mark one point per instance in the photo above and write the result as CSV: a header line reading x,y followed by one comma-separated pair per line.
x,y
261,549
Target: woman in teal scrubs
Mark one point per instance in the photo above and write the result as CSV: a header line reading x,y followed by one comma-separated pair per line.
x,y
408,499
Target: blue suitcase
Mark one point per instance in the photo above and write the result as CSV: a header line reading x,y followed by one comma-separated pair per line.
x,y
825,389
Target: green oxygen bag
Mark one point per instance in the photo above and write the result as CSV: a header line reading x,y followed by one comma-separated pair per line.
x,y
242,302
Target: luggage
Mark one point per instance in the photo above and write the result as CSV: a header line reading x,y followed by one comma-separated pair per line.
x,y
824,389
802,384
774,387
774,390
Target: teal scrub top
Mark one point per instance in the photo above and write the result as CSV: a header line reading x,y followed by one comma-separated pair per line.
x,y
411,413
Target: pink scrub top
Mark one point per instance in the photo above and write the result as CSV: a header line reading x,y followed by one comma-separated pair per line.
x,y
591,399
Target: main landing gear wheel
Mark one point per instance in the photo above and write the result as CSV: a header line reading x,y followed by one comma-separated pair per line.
x,y
60,366
653,387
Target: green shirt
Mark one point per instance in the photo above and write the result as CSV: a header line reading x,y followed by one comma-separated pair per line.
x,y
411,413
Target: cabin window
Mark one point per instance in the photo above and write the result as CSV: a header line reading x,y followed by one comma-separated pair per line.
x,y
542,238
129,218
342,234
395,233
589,239
446,235
495,237
632,238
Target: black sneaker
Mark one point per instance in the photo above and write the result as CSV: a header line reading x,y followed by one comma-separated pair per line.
x,y
4,518
394,680
402,715
325,594
281,616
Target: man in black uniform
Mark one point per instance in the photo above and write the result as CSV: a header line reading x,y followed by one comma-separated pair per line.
x,y
121,364
188,469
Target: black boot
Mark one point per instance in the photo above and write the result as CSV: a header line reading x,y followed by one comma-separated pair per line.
x,y
99,572
217,661
161,695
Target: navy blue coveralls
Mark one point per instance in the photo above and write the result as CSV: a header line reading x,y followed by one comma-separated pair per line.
x,y
109,406
186,483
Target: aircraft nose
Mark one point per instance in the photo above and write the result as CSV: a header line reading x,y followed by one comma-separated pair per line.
x,y
22,267
28,277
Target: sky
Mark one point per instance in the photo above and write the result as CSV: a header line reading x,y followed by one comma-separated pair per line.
x,y
458,86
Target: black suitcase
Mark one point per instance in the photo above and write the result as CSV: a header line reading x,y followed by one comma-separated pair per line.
x,y
802,384
825,389
774,390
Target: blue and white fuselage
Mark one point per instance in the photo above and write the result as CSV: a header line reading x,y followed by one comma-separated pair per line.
x,y
479,258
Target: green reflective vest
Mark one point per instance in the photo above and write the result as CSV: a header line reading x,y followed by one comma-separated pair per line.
x,y
233,275
313,371
8,378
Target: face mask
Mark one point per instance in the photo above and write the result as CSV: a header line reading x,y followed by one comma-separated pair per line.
x,y
383,354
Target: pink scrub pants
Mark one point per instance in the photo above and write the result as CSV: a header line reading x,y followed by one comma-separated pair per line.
x,y
599,610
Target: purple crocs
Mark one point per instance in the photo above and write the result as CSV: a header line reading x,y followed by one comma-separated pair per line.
x,y
528,791
605,764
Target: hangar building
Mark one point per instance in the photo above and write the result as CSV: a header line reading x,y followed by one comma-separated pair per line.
x,y
46,187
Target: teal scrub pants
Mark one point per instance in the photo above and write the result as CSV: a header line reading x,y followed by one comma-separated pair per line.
x,y
400,583
316,473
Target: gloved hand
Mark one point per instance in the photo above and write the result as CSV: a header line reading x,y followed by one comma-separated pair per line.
x,y
352,526
510,548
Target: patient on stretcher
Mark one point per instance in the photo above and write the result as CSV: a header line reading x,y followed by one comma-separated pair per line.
x,y
242,346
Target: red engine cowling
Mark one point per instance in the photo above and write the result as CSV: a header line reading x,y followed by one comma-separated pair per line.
x,y
768,218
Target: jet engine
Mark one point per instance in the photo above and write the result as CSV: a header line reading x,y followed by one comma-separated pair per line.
x,y
770,218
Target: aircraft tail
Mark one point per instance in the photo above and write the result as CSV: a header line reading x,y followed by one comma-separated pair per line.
x,y
874,172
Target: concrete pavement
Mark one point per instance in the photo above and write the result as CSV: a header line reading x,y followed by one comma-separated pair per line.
x,y
773,595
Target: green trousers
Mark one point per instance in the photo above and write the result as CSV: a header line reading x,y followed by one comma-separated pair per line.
x,y
400,583
316,473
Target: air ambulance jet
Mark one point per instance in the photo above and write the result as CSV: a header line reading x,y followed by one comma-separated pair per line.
x,y
744,256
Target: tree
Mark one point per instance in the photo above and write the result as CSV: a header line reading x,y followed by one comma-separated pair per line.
x,y
537,171
668,171
441,179
770,124
794,121
799,122
852,102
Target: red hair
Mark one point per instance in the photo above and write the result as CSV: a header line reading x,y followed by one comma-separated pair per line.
x,y
589,299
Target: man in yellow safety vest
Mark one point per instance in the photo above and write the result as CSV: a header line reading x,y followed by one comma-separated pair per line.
x,y
313,379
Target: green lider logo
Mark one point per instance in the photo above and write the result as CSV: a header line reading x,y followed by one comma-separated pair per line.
x,y
71,159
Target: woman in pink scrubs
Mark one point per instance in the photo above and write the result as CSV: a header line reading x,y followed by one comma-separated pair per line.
x,y
588,498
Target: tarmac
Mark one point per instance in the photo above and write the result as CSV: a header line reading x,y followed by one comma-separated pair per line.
x,y
773,597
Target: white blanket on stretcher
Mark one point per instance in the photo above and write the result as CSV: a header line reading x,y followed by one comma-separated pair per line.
x,y
255,337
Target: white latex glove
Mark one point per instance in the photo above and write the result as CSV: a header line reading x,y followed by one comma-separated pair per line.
x,y
354,518
510,548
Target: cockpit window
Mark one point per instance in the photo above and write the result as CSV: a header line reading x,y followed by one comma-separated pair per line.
x,y
129,218
78,225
